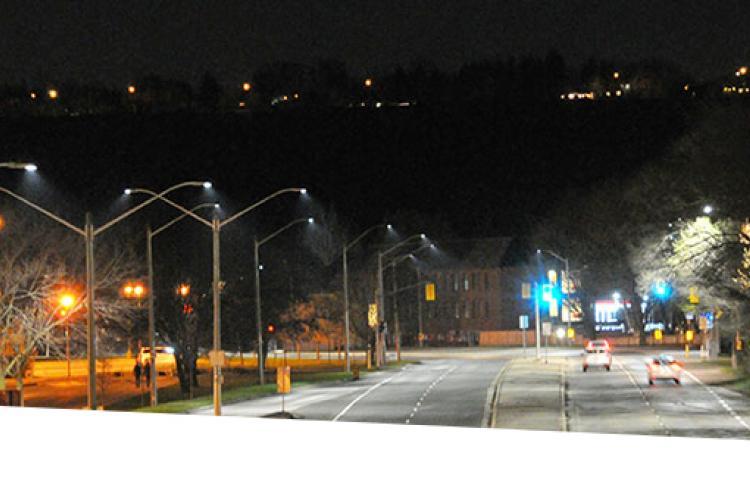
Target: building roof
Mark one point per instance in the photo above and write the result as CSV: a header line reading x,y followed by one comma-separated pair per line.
x,y
477,253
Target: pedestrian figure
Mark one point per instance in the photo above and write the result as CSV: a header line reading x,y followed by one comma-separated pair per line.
x,y
147,372
137,372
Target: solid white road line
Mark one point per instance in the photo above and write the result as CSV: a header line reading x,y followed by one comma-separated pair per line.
x,y
364,394
723,403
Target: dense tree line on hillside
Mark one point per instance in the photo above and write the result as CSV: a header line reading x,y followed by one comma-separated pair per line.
x,y
512,81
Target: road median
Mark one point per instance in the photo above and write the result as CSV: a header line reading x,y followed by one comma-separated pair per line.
x,y
531,395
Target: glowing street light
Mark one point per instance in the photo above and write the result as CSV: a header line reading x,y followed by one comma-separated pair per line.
x,y
380,337
708,209
183,290
52,94
258,321
89,233
14,165
131,89
134,290
216,224
368,82
246,86
347,246
65,302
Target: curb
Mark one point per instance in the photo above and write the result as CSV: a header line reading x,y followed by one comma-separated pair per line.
x,y
488,418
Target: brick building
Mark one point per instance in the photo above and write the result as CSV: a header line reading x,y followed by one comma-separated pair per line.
x,y
477,288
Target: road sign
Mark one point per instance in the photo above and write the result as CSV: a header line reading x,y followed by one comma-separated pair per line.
x,y
571,333
525,290
216,358
552,276
693,297
429,292
658,334
523,322
553,310
689,334
703,322
372,316
283,379
547,328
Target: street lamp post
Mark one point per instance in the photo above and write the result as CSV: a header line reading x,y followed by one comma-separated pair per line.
x,y
215,224
89,233
380,335
258,319
394,292
154,389
346,288
14,165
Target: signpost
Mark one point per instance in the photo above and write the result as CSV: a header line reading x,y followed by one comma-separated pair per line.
x,y
523,324
547,331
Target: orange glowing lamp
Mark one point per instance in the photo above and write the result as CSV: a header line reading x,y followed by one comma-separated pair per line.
x,y
183,290
134,290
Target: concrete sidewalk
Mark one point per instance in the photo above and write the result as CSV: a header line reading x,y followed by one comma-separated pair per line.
x,y
531,395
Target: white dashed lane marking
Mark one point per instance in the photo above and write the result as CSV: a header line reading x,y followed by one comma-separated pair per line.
x,y
721,401
426,392
645,398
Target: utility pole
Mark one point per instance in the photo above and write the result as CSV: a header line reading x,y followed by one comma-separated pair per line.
x,y
396,323
420,333
151,319
216,287
258,319
90,316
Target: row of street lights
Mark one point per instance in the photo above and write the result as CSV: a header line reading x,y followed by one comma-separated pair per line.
x,y
89,232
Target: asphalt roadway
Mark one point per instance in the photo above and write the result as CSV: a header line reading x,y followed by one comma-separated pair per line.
x,y
502,388
622,402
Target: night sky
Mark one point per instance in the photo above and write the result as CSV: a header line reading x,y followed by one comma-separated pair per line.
x,y
115,42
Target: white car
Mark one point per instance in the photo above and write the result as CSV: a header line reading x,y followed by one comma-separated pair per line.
x,y
597,353
165,360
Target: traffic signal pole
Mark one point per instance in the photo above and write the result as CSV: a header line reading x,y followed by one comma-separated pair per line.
x,y
536,321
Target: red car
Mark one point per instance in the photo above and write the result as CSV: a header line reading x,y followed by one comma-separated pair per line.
x,y
664,366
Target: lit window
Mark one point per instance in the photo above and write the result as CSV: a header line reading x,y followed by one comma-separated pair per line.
x,y
455,282
466,281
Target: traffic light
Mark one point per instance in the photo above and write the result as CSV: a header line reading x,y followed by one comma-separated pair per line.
x,y
547,292
187,309
271,328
